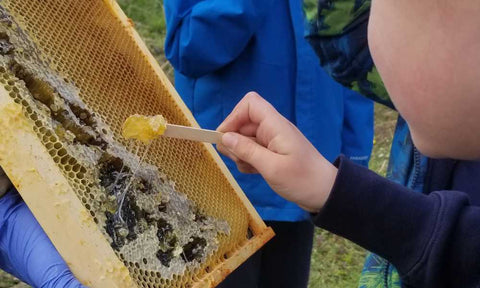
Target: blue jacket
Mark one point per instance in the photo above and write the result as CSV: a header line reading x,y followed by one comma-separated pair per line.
x,y
222,49
426,228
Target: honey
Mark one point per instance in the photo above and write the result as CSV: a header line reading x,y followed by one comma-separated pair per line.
x,y
144,128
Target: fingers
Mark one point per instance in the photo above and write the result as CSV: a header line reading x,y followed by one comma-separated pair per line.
x,y
246,168
224,150
250,111
250,156
249,130
242,166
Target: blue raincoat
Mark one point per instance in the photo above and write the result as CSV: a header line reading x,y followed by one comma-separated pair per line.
x,y
222,49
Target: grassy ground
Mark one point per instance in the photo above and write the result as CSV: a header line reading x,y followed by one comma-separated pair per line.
x,y
7,281
150,24
385,121
336,263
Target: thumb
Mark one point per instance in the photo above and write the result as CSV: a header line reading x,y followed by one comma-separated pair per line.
x,y
249,151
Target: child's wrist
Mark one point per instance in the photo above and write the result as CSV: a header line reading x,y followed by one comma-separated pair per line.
x,y
321,186
329,176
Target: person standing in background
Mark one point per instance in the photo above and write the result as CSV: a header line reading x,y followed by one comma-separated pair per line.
x,y
222,49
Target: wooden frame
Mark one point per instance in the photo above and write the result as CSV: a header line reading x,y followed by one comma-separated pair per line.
x,y
54,203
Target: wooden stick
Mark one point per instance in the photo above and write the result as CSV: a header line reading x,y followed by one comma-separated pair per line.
x,y
194,134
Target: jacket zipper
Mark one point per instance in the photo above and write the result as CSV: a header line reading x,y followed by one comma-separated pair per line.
x,y
416,167
385,274
416,173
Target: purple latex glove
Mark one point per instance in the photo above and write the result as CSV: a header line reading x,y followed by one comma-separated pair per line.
x,y
25,250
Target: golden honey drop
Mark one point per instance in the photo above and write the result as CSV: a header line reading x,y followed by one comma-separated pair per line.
x,y
144,128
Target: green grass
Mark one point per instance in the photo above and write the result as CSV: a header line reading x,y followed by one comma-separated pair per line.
x,y
336,262
148,14
385,121
149,21
7,281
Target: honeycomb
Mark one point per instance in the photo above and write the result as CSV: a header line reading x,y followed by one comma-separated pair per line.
x,y
165,207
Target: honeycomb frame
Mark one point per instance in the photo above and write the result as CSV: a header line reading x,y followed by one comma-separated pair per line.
x,y
52,198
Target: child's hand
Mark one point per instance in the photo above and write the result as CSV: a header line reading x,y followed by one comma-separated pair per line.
x,y
263,141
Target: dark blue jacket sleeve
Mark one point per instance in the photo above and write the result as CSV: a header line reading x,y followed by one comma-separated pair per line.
x,y
205,35
433,240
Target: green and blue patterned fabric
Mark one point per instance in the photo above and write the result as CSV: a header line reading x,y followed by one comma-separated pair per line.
x,y
337,30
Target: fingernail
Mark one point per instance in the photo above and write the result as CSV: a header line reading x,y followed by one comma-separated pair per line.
x,y
229,140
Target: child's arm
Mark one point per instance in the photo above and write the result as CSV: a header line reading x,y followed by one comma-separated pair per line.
x,y
434,241
205,35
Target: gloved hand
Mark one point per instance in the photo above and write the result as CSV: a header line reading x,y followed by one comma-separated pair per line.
x,y
25,250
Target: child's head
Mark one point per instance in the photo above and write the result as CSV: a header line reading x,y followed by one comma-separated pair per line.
x,y
428,55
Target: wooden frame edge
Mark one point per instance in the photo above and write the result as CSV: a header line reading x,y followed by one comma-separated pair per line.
x,y
217,275
54,203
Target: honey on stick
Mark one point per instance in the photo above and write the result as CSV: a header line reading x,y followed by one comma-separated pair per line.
x,y
144,128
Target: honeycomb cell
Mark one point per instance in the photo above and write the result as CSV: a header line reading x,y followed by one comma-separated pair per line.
x,y
77,91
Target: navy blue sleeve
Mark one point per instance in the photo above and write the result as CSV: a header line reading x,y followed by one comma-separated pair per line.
x,y
203,36
433,240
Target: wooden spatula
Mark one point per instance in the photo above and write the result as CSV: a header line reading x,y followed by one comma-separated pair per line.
x,y
194,134
147,128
